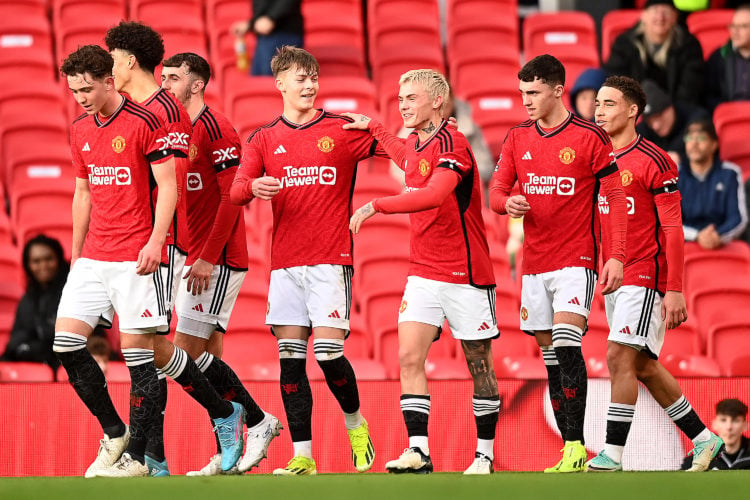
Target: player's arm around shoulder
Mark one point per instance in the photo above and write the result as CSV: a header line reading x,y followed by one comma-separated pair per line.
x,y
81,216
150,255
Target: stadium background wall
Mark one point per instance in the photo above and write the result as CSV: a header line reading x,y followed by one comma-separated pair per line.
x,y
50,413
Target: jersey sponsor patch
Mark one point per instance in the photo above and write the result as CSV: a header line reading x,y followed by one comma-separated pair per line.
x,y
109,176
174,140
194,181
549,185
604,205
308,176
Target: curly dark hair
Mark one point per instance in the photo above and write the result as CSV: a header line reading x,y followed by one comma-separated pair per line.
x,y
90,59
138,39
196,65
289,56
545,67
631,91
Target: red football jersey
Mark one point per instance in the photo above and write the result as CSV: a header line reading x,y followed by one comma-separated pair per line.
x,y
179,130
214,158
315,163
448,243
115,156
646,171
557,171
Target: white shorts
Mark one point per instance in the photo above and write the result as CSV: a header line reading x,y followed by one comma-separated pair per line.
x,y
200,315
634,316
174,277
470,311
95,290
570,289
310,296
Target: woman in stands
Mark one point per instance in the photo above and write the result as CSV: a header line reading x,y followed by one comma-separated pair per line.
x,y
34,328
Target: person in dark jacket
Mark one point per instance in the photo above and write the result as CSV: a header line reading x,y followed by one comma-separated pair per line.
x,y
713,197
728,68
659,49
275,23
583,95
730,424
34,328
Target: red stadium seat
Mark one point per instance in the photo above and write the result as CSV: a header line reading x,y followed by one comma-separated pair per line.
x,y
359,343
704,270
494,32
690,366
220,14
249,346
683,340
595,341
737,150
390,39
69,13
710,28
10,294
496,110
380,12
727,341
514,343
334,22
23,29
446,369
545,32
249,313
166,12
718,305
731,118
25,372
252,103
498,65
576,59
525,367
614,23
347,93
460,10
380,273
739,367
442,352
338,60
736,247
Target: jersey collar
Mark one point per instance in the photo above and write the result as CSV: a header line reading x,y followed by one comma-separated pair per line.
x,y
297,126
420,147
112,116
556,130
630,147
200,113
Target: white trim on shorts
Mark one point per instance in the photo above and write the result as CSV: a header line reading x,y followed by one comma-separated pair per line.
x,y
470,311
311,296
570,289
213,306
634,316
95,290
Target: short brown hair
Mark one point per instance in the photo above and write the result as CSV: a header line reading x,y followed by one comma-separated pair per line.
x,y
90,59
732,408
545,67
289,56
631,91
196,65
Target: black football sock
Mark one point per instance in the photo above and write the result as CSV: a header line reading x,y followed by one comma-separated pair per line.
x,y
155,445
88,381
416,411
338,372
144,396
185,372
619,419
573,378
228,385
555,387
684,416
295,388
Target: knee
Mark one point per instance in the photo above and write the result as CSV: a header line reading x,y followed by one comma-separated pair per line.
x,y
646,372
410,360
618,363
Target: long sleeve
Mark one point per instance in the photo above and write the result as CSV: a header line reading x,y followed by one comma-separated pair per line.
x,y
670,218
251,167
392,145
504,178
226,217
617,223
441,185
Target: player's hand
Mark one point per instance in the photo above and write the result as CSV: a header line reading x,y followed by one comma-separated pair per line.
x,y
673,309
452,122
239,28
149,258
264,25
362,214
611,276
266,187
517,206
198,276
361,122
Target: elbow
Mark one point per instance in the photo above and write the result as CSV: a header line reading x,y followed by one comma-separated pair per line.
x,y
236,196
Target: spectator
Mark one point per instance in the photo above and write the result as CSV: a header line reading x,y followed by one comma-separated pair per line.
x,y
713,197
730,424
583,95
728,68
664,122
275,23
659,49
34,327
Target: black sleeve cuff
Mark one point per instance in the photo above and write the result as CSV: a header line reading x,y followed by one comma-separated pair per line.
x,y
611,169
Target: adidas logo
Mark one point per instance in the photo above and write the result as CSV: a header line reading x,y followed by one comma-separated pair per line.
x,y
527,156
484,326
86,147
279,150
625,330
146,314
574,301
198,308
334,314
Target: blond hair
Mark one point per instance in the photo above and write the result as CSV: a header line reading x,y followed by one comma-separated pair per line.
x,y
431,81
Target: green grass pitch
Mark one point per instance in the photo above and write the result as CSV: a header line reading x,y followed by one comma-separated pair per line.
x,y
502,485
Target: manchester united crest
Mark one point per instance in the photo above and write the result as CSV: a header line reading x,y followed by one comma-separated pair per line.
x,y
524,313
325,144
193,152
567,155
626,176
424,167
118,144
403,306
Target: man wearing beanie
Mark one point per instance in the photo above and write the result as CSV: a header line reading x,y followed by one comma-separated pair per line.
x,y
659,49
